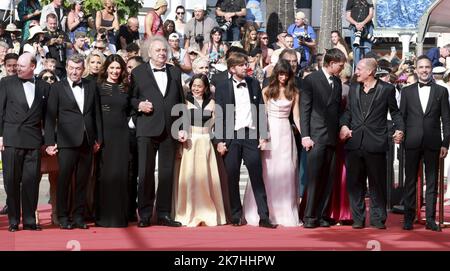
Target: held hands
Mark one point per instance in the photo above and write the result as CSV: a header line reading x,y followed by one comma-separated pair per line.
x,y
182,136
359,26
145,107
307,143
443,153
222,148
52,150
345,133
96,147
398,137
262,144
2,147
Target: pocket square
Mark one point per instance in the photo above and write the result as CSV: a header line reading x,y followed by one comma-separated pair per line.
x,y
254,97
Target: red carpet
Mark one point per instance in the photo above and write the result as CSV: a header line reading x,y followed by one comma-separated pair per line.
x,y
225,238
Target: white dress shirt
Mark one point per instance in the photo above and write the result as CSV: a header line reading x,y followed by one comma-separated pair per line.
x,y
328,76
29,92
424,95
161,79
78,93
243,110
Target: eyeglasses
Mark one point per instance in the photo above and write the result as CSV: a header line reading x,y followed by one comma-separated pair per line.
x,y
180,13
47,78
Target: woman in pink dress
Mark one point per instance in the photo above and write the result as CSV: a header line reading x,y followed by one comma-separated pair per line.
x,y
279,158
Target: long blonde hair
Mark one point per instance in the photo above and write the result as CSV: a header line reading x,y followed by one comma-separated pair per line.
x,y
87,70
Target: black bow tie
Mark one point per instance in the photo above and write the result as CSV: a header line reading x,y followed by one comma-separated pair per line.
x,y
241,85
31,80
159,70
427,84
79,84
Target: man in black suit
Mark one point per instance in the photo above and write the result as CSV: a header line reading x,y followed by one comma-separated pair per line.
x,y
22,101
364,124
73,130
424,105
156,90
240,134
320,105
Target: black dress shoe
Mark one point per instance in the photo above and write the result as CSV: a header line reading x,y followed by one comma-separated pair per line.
x,y
143,224
310,225
82,226
169,222
4,210
358,225
324,223
431,225
378,225
13,228
65,226
237,222
408,225
132,218
32,227
265,223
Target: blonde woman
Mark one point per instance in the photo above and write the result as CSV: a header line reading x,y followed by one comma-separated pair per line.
x,y
93,64
108,19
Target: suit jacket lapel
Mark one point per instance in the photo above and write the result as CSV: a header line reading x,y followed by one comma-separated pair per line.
x,y
37,98
86,92
69,92
358,99
327,90
153,79
21,96
430,99
415,93
169,79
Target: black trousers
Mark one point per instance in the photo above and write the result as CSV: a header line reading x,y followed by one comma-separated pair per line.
x,y
321,167
246,149
361,165
21,167
133,174
166,146
431,160
73,163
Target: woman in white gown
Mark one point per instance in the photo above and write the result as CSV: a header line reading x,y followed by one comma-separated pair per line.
x,y
280,157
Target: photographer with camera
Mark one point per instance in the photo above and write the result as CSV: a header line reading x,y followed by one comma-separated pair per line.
x,y
56,7
230,14
36,46
359,15
108,19
57,43
198,28
179,56
304,36
77,20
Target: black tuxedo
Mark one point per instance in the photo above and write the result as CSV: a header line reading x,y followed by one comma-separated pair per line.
x,y
320,108
423,140
75,133
239,149
153,133
366,149
21,129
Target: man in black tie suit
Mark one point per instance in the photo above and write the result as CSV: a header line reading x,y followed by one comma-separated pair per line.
x,y
320,105
239,135
364,125
424,107
156,90
73,130
23,102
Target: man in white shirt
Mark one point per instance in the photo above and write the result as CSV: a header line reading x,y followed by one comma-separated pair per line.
x,y
56,7
74,112
22,103
240,135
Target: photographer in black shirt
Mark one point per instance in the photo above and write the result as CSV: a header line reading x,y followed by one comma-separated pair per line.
x,y
57,43
230,16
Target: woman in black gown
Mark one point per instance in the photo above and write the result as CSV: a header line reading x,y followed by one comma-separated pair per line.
x,y
112,181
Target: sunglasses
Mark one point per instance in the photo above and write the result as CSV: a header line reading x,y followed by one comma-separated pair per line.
x,y
180,13
46,78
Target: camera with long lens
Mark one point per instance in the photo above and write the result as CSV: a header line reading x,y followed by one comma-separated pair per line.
x,y
199,39
362,35
304,37
223,24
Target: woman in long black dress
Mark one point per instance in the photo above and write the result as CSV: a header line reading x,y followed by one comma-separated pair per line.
x,y
112,182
